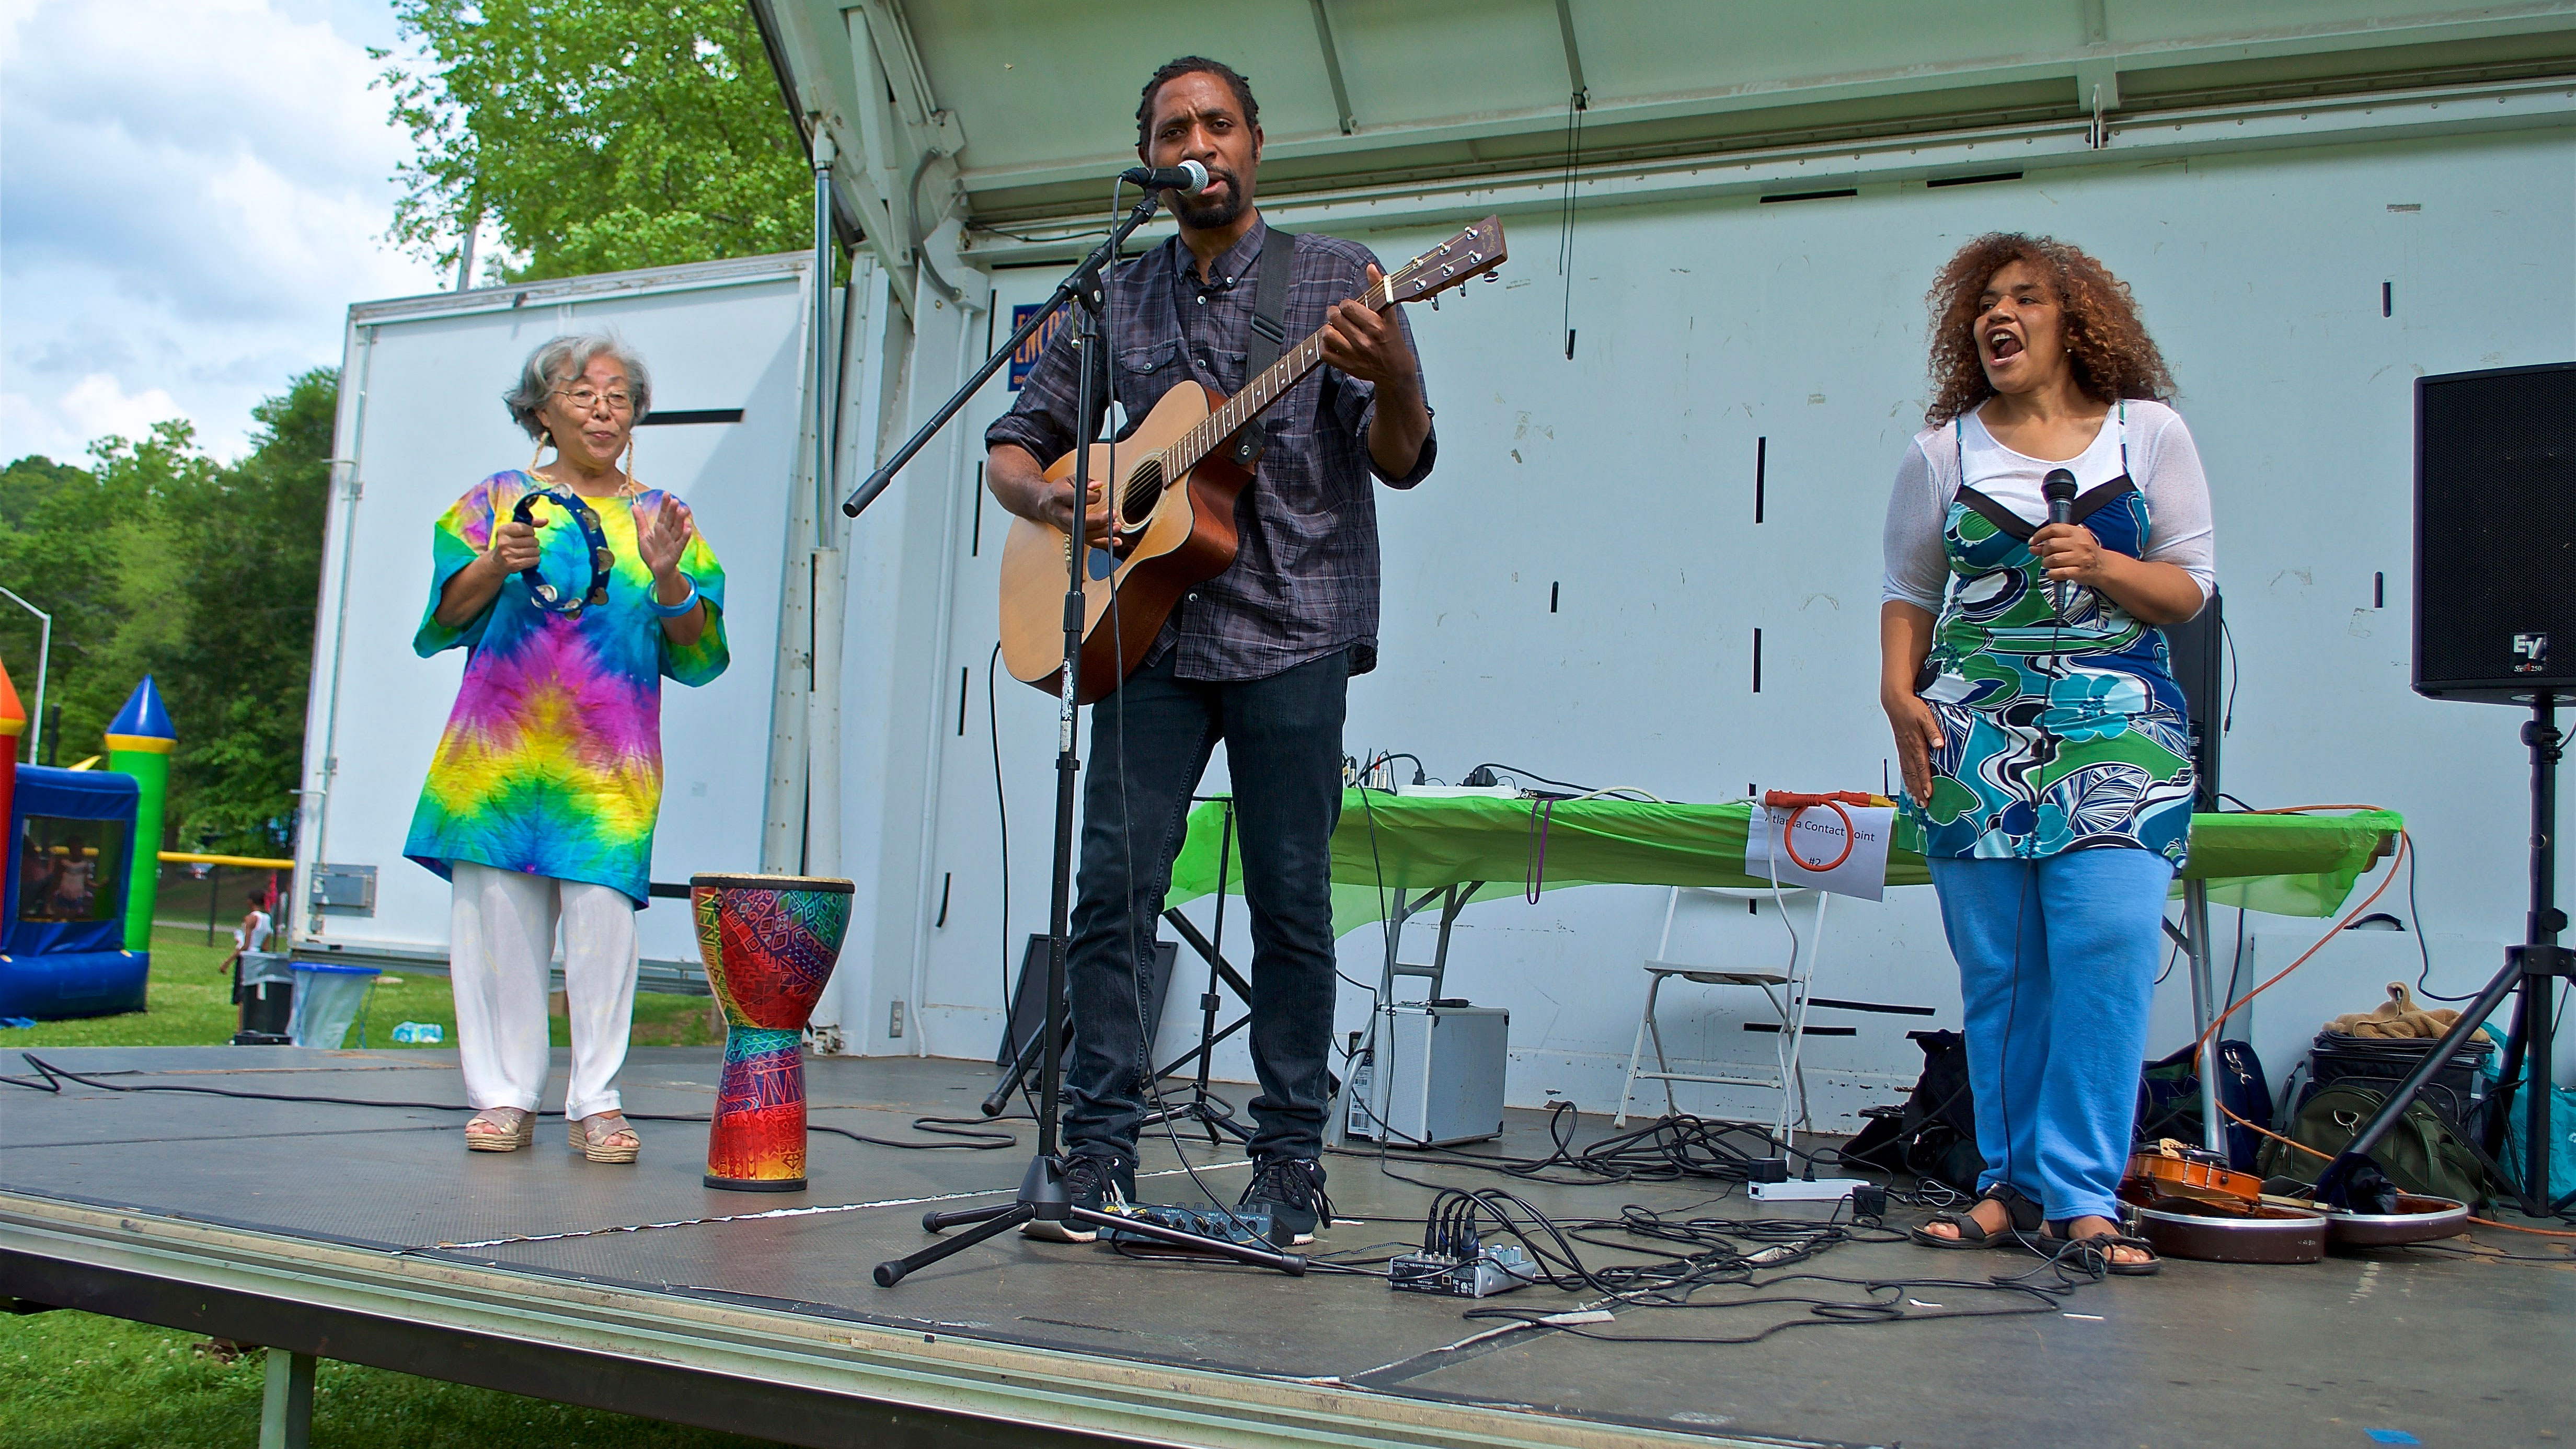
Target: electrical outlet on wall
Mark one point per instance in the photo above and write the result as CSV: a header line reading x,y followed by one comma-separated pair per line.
x,y
894,1021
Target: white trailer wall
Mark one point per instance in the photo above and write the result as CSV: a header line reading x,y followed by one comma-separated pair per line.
x,y
421,420
1621,484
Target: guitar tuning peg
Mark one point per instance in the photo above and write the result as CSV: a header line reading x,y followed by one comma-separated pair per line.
x,y
1435,301
1494,276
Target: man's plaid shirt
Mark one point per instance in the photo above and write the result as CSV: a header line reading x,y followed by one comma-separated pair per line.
x,y
1305,578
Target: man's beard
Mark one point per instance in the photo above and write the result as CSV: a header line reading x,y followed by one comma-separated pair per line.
x,y
1200,214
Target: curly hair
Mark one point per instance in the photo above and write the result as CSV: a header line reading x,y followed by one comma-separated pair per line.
x,y
1186,65
2114,358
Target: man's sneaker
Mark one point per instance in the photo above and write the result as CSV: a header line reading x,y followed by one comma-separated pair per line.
x,y
1092,1180
1292,1188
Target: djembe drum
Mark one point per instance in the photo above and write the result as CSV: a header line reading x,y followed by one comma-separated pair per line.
x,y
769,943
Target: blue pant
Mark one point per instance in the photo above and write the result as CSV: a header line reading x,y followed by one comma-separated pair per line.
x,y
2057,963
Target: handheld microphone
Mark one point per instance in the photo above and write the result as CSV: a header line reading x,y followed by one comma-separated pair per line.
x,y
2059,489
1189,178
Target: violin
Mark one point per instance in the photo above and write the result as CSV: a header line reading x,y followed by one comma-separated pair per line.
x,y
2173,1170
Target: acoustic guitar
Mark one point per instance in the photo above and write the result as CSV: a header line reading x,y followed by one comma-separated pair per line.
x,y
1174,487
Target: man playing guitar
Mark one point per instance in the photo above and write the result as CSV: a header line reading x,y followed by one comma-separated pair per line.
x,y
1259,656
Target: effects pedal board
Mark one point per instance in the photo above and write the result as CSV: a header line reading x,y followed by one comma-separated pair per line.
x,y
1492,1270
1249,1227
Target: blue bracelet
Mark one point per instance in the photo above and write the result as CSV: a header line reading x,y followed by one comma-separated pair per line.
x,y
672,611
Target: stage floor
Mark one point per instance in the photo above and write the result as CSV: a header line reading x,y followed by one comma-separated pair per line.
x,y
108,1190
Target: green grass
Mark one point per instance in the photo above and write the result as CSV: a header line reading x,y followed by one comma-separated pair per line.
x,y
76,1381
188,1002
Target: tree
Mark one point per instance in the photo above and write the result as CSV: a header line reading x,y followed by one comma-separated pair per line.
x,y
89,546
598,134
158,560
246,550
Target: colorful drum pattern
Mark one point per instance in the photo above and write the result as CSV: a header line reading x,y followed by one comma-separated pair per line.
x,y
769,943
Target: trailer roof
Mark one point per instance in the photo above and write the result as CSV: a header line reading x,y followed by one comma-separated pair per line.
x,y
1013,114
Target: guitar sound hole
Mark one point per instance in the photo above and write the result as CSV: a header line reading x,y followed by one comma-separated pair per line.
x,y
1144,489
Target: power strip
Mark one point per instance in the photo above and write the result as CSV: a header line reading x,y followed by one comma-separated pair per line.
x,y
1822,1189
1493,1270
1455,792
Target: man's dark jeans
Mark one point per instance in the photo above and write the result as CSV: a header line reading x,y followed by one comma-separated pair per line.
x,y
1150,742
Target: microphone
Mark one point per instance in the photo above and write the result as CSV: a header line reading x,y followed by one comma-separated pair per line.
x,y
2059,489
1189,178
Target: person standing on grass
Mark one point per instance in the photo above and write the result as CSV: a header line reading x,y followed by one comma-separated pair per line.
x,y
541,799
253,932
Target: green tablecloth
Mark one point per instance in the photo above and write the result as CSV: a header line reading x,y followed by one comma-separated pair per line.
x,y
2292,865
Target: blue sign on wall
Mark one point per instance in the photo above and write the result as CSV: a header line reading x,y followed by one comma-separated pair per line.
x,y
1027,355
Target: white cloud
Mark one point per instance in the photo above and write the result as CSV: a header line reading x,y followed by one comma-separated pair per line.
x,y
99,407
192,192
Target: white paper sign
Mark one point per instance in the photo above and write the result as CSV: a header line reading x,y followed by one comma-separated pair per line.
x,y
1820,836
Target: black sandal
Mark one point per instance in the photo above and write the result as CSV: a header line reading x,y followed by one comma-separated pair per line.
x,y
2021,1216
2099,1246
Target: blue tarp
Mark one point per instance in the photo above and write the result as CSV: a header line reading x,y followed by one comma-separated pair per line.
x,y
51,969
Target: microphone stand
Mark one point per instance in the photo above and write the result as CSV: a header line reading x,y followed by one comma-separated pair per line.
x,y
1043,1196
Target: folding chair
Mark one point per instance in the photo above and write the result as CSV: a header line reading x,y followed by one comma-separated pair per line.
x,y
1784,987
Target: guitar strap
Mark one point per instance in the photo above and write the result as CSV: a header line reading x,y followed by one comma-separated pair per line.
x,y
1269,314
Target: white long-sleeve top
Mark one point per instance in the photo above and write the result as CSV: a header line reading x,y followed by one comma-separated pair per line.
x,y
2162,462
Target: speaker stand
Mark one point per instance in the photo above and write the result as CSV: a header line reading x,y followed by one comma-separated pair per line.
x,y
2534,969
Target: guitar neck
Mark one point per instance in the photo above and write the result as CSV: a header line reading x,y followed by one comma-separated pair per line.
x,y
1258,394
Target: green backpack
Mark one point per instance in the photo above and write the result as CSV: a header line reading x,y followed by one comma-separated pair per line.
x,y
2421,1153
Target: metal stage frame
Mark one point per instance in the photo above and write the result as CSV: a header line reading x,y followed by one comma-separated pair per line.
x,y
365,1233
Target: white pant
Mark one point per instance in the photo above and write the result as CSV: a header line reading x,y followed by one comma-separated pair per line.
x,y
502,948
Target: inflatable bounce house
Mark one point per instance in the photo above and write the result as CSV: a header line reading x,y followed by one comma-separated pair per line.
x,y
83,870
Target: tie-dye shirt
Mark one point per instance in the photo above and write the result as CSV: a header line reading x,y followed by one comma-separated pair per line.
x,y
552,759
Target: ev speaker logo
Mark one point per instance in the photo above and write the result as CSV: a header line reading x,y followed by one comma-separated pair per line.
x,y
2530,653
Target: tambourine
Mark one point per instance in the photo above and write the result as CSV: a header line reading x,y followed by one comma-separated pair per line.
x,y
545,595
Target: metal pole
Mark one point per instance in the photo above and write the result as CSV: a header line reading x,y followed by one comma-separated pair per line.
x,y
2205,1007
44,657
823,681
824,152
286,1410
2540,989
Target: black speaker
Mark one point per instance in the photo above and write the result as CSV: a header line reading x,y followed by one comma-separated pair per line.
x,y
2495,533
2195,647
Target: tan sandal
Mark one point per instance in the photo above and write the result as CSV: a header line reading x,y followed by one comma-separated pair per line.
x,y
604,1137
500,1129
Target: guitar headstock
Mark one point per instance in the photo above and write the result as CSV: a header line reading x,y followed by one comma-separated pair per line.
x,y
1473,252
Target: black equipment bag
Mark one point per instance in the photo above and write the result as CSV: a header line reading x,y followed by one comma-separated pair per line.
x,y
1934,1135
2457,1091
2169,1100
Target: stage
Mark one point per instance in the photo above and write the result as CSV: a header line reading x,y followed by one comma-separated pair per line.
x,y
368,1234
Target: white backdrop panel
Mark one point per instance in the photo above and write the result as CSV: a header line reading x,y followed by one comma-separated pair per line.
x,y
1621,483
433,425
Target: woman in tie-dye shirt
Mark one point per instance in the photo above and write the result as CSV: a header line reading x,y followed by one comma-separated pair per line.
x,y
541,798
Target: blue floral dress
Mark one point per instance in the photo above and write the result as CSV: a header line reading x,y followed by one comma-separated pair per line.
x,y
2056,734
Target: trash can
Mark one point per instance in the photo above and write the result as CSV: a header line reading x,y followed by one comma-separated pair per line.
x,y
327,1000
264,987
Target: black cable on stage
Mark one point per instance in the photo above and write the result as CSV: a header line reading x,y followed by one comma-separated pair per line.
x,y
977,1133
1668,1149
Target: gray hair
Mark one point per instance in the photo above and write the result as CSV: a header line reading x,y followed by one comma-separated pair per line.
x,y
559,360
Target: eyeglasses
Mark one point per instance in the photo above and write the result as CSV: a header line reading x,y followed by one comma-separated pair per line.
x,y
585,398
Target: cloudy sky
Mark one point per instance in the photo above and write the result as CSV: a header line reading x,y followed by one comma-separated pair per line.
x,y
192,192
